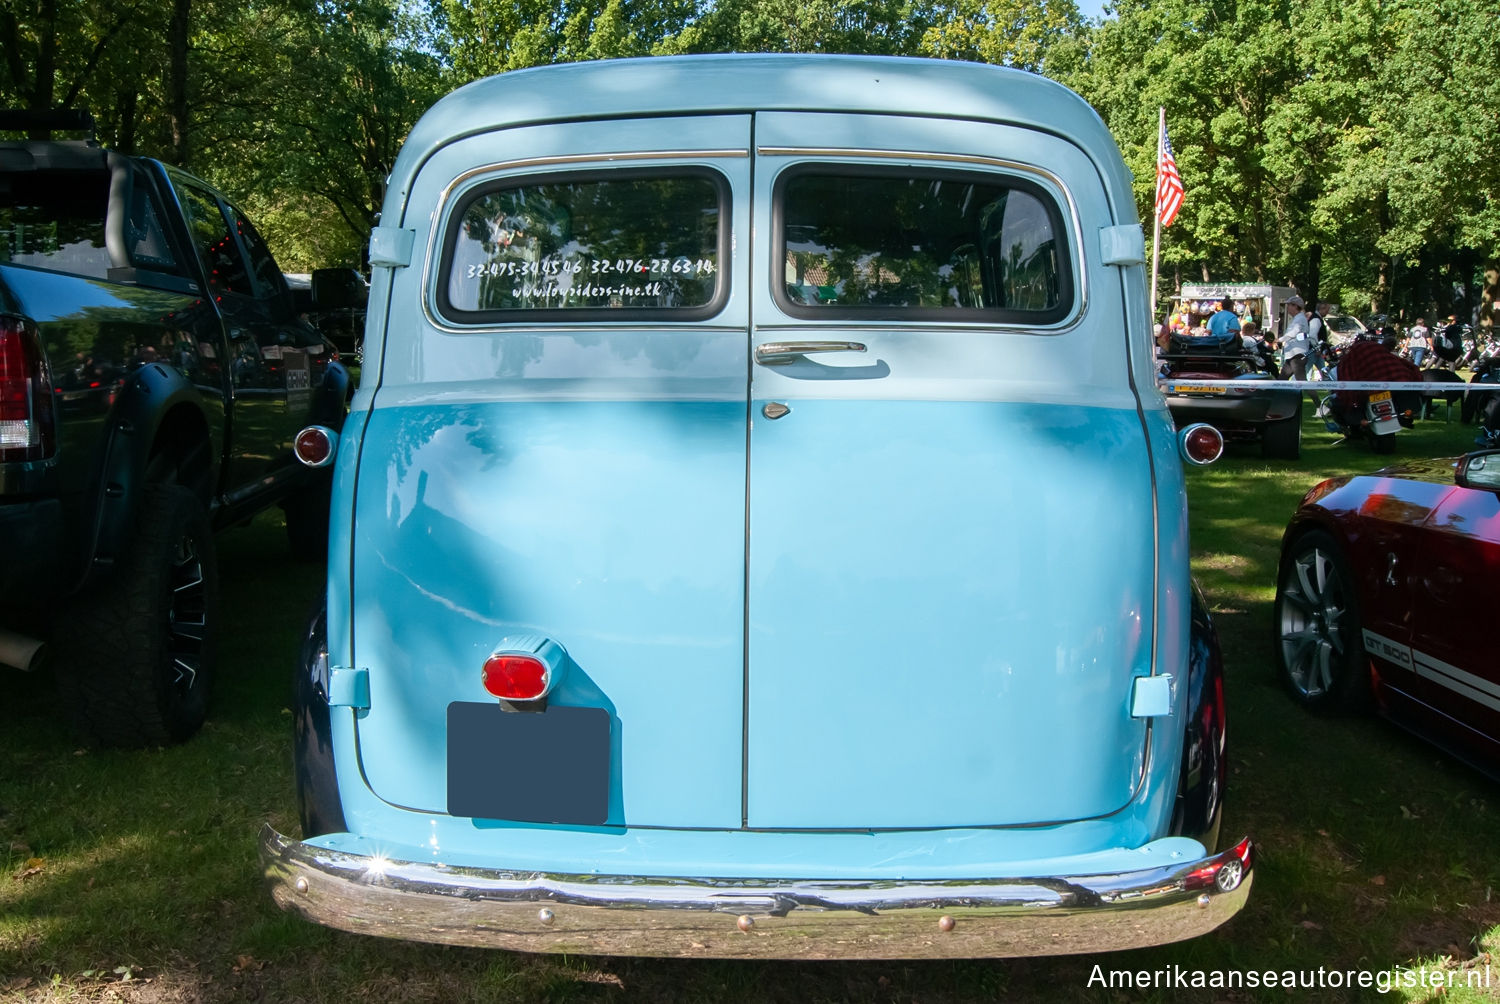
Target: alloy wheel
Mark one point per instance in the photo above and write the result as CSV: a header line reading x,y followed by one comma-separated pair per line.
x,y
1313,611
187,615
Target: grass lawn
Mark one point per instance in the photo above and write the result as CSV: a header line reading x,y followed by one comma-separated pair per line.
x,y
133,876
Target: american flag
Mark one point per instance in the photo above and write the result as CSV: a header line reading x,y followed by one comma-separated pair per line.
x,y
1168,182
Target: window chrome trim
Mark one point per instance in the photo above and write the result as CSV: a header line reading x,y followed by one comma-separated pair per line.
x,y
452,192
1072,216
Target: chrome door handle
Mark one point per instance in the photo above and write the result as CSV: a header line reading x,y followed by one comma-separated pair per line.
x,y
781,353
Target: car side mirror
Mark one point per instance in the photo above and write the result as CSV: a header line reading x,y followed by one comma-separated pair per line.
x,y
338,288
1480,470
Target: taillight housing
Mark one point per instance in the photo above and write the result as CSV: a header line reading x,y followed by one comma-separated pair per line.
x,y
512,677
28,423
316,445
1201,444
524,670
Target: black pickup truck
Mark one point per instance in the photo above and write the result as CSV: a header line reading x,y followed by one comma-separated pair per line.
x,y
153,375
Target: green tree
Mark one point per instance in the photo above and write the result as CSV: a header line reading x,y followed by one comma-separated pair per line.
x,y
347,80
1017,33
1221,69
51,49
884,27
483,37
1427,153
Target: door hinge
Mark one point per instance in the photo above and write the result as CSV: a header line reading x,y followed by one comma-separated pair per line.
x,y
390,247
348,688
1152,697
1124,245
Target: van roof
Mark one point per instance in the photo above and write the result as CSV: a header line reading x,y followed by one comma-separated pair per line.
x,y
738,82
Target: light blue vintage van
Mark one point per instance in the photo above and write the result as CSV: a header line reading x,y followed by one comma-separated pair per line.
x,y
758,533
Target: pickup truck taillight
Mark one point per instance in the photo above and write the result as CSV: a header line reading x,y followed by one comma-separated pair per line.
x,y
27,427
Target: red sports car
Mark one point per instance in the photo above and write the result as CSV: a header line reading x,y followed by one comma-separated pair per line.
x,y
1385,591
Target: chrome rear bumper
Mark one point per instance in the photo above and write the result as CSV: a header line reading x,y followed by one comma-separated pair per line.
x,y
755,918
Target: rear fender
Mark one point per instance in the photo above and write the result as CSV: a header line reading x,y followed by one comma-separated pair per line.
x,y
1200,787
158,431
318,800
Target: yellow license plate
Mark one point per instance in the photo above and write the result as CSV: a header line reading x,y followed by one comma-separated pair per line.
x,y
1177,388
1381,395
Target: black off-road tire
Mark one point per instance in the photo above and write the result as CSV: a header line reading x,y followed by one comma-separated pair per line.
x,y
1320,651
137,657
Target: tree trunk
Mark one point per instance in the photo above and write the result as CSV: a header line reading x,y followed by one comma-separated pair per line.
x,y
43,87
1489,300
125,107
1314,274
177,82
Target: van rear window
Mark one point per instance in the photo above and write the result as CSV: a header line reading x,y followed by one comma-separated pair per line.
x,y
939,246
619,241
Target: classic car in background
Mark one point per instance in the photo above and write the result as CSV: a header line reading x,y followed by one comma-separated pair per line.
x,y
1385,585
1244,411
759,533
1343,330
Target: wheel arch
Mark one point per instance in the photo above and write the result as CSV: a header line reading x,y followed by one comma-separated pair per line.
x,y
318,803
158,430
1199,809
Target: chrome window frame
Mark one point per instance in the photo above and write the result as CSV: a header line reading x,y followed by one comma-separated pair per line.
x,y
456,194
1050,182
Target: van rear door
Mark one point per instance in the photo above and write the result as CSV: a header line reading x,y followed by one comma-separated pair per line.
x,y
951,525
557,450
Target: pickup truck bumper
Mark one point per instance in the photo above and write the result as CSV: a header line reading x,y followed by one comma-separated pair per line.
x,y
755,918
31,574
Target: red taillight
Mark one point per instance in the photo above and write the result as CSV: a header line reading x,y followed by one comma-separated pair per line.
x,y
1202,444
27,427
315,445
516,677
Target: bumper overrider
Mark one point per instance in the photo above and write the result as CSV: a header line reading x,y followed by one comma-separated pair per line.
x,y
755,918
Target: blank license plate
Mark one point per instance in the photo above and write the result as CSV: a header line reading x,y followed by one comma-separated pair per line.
x,y
528,766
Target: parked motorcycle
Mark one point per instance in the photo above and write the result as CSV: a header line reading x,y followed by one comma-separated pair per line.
x,y
1486,369
1376,417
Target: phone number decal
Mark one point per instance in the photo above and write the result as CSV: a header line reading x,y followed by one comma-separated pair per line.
x,y
688,267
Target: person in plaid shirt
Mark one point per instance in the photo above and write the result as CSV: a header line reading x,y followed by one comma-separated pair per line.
x,y
1368,360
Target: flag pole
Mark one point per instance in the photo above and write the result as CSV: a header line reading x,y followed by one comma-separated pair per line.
x,y
1161,130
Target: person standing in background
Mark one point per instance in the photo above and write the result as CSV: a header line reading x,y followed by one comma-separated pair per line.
x,y
1294,342
1224,320
1317,339
1417,342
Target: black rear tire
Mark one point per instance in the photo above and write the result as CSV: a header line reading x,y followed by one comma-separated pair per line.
x,y
137,653
1282,439
1320,649
1384,444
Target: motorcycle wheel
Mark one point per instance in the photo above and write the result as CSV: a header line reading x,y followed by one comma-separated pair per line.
x,y
1383,444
